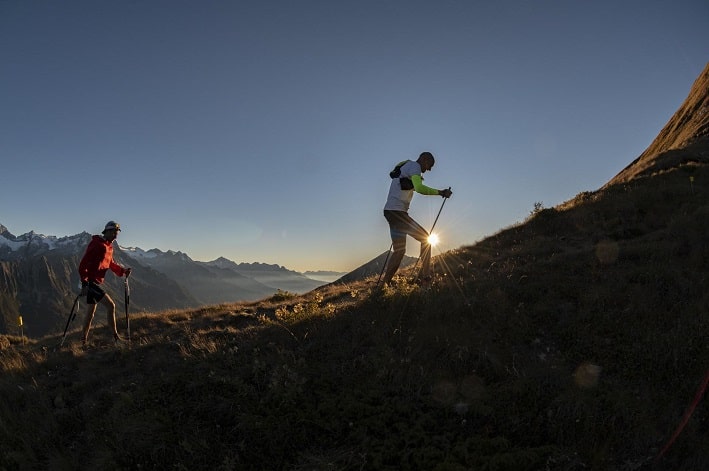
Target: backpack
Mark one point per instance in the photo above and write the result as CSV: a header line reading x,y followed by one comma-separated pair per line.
x,y
406,183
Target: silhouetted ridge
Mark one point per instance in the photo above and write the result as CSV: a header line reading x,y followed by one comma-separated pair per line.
x,y
685,137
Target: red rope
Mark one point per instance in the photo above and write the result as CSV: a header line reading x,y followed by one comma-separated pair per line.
x,y
687,414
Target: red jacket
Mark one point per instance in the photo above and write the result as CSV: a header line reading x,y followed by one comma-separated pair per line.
x,y
97,260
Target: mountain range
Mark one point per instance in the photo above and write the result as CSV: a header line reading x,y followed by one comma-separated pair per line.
x,y
39,280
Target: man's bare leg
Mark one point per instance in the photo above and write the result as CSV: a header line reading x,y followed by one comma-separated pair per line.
x,y
110,307
90,311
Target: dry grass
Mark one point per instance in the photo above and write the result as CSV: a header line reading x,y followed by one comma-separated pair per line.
x,y
572,341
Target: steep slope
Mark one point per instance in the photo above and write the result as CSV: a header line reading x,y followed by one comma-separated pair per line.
x,y
49,276
683,139
574,341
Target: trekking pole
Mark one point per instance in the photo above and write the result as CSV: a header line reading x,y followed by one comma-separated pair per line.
x,y
385,264
22,329
126,297
431,231
72,315
438,215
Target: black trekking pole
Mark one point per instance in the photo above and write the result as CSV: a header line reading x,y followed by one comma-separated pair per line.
x,y
126,297
72,315
438,215
431,231
385,264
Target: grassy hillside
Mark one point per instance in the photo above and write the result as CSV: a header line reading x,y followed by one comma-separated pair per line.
x,y
574,341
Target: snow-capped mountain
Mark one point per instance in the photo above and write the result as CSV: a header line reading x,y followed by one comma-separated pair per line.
x,y
33,244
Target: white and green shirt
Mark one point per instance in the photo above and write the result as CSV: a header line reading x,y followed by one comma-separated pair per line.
x,y
398,199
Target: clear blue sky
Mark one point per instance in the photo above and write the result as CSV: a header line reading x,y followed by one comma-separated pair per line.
x,y
264,131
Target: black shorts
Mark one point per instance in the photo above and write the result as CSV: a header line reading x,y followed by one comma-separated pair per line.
x,y
95,293
401,224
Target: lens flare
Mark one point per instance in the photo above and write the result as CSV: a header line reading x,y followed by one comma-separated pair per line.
x,y
433,239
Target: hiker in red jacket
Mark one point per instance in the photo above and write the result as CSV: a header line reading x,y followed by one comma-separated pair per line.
x,y
97,260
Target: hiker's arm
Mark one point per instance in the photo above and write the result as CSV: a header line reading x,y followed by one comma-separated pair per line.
x,y
420,187
118,269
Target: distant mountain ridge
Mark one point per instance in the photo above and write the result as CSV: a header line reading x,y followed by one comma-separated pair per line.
x,y
325,275
373,267
16,247
39,279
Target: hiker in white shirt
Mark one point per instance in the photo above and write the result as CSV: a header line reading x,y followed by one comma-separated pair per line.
x,y
406,178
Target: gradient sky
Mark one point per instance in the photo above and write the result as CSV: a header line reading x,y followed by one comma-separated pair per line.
x,y
264,131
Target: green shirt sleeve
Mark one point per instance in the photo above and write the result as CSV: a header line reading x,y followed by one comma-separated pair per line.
x,y
420,187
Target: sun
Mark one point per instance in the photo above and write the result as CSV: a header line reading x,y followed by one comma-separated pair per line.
x,y
433,239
